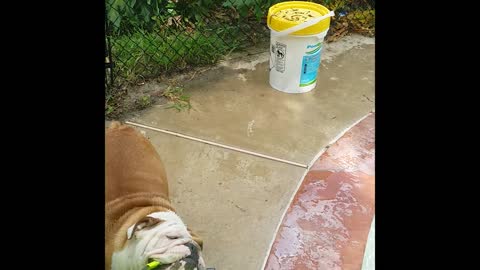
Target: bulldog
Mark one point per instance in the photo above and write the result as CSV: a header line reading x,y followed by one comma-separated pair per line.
x,y
141,225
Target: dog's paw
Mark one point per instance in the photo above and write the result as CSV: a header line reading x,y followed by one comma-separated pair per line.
x,y
119,129
115,125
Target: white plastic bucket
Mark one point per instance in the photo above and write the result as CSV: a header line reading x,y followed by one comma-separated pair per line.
x,y
294,59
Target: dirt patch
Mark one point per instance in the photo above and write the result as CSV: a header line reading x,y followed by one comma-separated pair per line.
x,y
135,98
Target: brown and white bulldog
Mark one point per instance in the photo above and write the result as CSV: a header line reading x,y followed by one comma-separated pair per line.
x,y
140,223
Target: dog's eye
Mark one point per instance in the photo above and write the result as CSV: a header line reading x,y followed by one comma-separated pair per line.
x,y
172,237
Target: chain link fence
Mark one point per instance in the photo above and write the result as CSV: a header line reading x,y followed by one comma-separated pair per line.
x,y
148,38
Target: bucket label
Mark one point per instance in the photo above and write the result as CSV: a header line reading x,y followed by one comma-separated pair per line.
x,y
280,55
310,65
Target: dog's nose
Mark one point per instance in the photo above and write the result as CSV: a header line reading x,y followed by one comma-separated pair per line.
x,y
192,259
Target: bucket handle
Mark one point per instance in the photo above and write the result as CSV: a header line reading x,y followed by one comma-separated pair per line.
x,y
302,25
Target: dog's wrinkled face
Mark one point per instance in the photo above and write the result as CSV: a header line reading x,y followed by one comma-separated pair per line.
x,y
162,237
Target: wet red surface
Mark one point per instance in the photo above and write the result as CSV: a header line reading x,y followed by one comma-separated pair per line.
x,y
327,224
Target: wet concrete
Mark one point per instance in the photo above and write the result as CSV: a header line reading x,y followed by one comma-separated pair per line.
x,y
328,222
235,201
232,200
235,105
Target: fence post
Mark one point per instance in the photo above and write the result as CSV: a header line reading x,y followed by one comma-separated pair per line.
x,y
108,54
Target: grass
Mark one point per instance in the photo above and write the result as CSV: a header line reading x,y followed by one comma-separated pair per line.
x,y
143,55
116,104
177,98
143,102
119,103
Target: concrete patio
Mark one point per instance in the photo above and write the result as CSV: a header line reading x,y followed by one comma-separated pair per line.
x,y
236,201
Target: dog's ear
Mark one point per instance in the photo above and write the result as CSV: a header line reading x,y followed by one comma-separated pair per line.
x,y
144,223
196,238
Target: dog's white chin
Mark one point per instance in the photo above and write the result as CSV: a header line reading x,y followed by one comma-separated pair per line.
x,y
164,243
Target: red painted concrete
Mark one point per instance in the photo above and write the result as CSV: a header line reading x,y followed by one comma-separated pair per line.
x,y
327,224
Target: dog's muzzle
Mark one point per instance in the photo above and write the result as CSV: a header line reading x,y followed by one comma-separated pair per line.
x,y
191,262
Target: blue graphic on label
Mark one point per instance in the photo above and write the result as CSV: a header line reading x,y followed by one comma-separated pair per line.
x,y
310,65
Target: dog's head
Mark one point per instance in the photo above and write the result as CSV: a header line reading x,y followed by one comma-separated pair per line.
x,y
162,237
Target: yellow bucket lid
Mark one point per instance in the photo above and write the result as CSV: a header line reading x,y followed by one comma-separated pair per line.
x,y
284,15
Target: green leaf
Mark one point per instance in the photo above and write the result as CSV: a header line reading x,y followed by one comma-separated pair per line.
x,y
114,17
235,3
258,12
243,11
131,3
146,14
156,8
119,5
